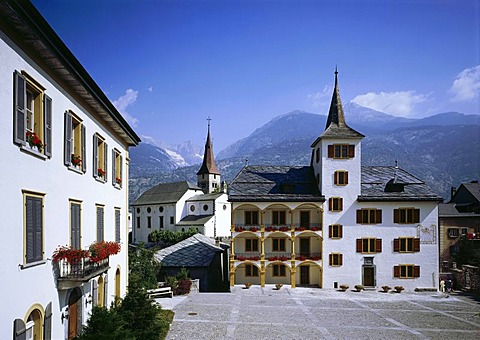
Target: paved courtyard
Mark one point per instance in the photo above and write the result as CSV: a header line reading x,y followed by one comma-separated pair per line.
x,y
305,313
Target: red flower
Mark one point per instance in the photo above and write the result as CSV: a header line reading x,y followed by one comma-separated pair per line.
x,y
33,140
100,172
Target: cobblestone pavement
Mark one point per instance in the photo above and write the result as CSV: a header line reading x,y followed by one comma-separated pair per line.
x,y
306,313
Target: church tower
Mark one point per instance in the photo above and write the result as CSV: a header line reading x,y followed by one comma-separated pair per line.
x,y
336,160
208,177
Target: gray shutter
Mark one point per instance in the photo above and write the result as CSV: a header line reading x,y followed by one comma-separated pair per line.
x,y
114,167
47,324
84,149
105,291
95,156
100,224
94,292
121,169
67,156
38,230
19,330
47,110
105,158
117,225
30,234
34,251
75,225
19,115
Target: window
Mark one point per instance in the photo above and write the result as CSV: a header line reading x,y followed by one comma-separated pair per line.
x,y
251,217
117,168
453,232
138,221
33,213
149,222
251,270
406,271
75,224
161,221
335,204
335,259
32,115
172,220
406,245
335,231
317,155
340,177
406,215
369,216
278,217
278,244
160,209
192,208
279,270
100,223
205,207
369,245
251,244
100,152
341,151
75,146
117,225
149,210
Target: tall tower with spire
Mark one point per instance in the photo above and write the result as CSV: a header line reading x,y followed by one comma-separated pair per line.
x,y
208,177
336,157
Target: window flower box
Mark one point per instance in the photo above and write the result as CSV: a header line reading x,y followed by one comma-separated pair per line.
x,y
254,229
34,141
299,228
239,229
315,229
301,258
118,181
101,172
272,258
254,258
76,160
284,228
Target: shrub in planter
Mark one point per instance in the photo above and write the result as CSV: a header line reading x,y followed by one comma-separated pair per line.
x,y
399,289
344,287
248,285
278,286
386,288
359,288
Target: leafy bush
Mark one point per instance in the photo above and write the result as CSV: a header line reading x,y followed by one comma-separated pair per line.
x,y
183,274
106,324
170,237
183,287
144,267
171,281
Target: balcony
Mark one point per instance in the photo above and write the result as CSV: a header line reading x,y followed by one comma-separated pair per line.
x,y
243,227
251,256
278,256
73,275
308,227
308,256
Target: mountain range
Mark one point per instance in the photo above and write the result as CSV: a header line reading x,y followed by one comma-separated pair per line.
x,y
443,149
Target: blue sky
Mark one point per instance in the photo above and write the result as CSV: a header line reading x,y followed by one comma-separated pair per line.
x,y
168,65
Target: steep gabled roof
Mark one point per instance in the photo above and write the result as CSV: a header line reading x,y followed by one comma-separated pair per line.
x,y
208,165
275,183
336,126
165,193
376,178
196,251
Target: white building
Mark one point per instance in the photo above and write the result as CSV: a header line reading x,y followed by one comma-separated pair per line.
x,y
180,206
334,222
67,186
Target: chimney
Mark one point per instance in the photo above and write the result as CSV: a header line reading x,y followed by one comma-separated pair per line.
x,y
453,190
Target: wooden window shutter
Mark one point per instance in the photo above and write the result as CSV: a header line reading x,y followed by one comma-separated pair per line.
x,y
359,216
19,330
330,151
416,271
114,167
340,231
47,324
351,151
340,204
84,149
416,215
20,116
359,245
330,259
396,215
378,245
335,177
340,259
345,174
105,162
378,216
330,203
396,245
47,109
416,244
95,156
396,271
330,231
67,156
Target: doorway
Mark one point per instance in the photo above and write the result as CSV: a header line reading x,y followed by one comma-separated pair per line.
x,y
369,276
74,313
304,275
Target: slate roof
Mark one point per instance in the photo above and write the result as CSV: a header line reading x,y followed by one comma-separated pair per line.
x,y
205,197
450,210
196,251
375,178
473,188
165,193
275,183
193,220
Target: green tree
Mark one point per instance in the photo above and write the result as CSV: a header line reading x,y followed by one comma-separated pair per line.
x,y
144,267
106,324
171,237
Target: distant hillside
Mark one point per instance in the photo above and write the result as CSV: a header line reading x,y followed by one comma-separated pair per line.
x,y
441,150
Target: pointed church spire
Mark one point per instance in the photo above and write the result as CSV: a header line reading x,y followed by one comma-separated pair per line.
x,y
336,125
208,166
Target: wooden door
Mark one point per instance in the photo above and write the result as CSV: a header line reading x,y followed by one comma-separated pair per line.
x,y
72,320
369,276
304,275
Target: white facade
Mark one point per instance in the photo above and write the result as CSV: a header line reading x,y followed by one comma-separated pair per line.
x,y
29,286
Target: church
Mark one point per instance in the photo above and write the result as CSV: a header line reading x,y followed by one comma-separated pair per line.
x,y
181,206
334,222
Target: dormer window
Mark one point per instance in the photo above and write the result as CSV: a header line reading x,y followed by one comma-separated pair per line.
x,y
393,186
288,188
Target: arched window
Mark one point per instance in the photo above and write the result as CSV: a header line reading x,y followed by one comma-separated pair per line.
x,y
101,291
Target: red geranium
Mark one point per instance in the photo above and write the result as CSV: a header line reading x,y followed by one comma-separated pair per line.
x,y
71,255
33,140
101,250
